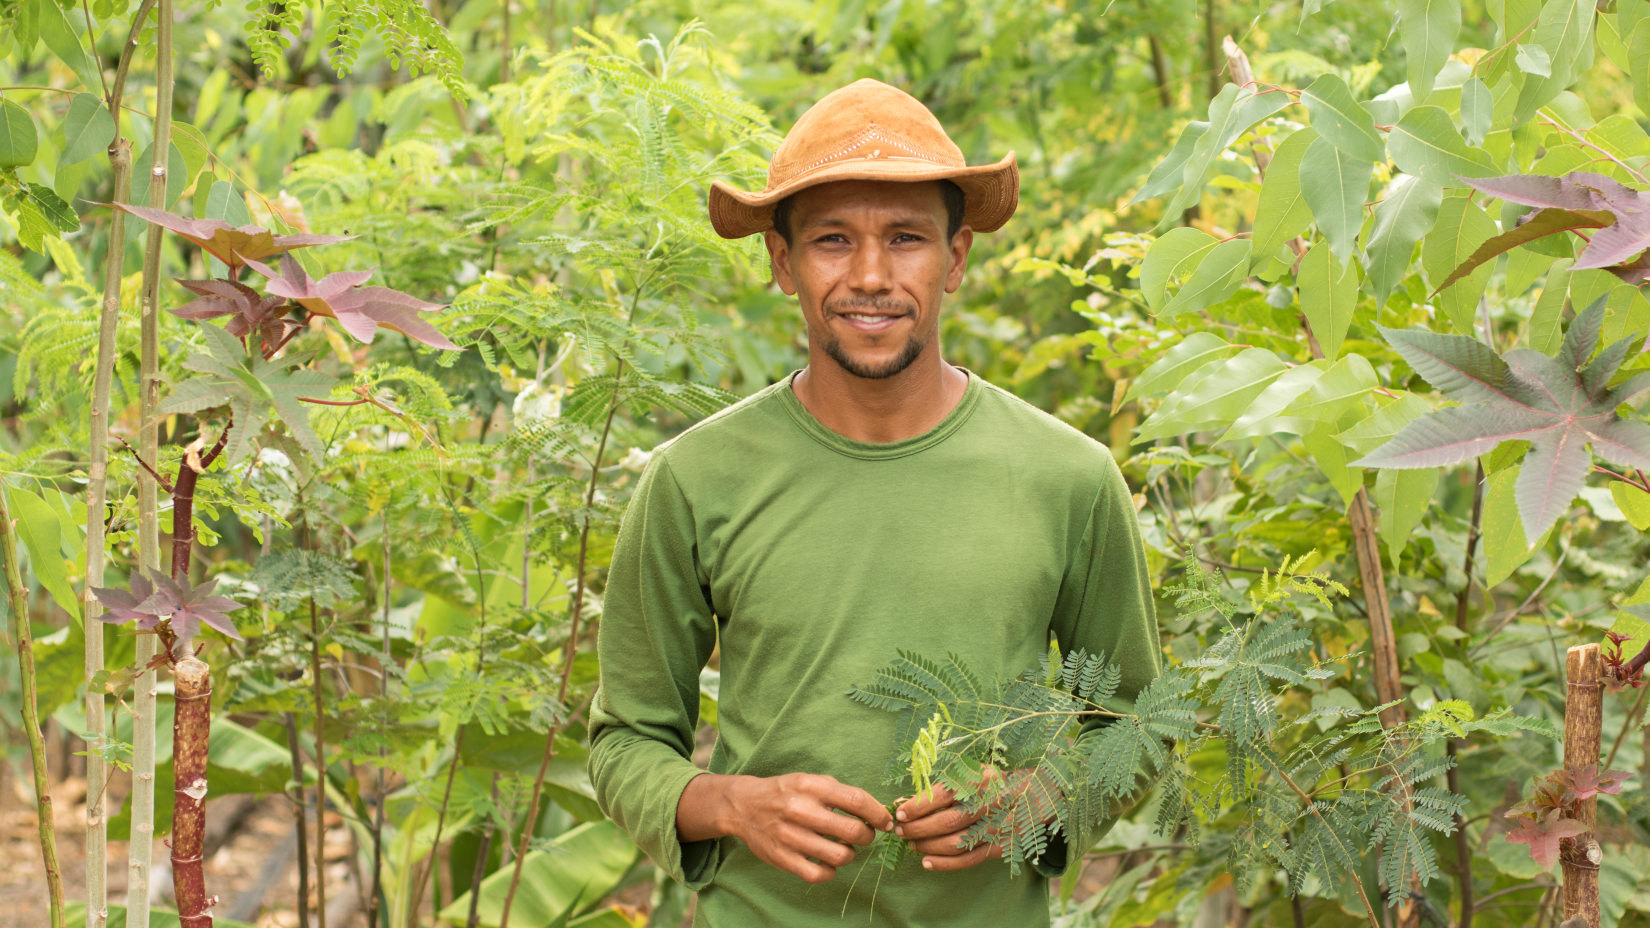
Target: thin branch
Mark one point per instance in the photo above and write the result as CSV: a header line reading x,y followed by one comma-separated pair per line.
x,y
164,483
1524,605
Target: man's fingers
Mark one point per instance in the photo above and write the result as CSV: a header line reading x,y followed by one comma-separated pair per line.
x,y
936,824
802,867
947,845
858,803
925,803
973,858
829,853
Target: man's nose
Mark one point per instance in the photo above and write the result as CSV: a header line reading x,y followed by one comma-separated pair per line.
x,y
871,271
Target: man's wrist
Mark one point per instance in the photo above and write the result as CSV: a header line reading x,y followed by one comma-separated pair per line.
x,y
706,810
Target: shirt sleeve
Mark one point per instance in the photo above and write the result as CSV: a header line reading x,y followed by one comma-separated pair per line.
x,y
657,632
1106,607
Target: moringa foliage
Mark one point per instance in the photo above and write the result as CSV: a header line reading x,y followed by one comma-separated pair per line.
x,y
1314,806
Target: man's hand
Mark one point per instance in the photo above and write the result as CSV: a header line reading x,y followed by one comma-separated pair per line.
x,y
934,824
790,822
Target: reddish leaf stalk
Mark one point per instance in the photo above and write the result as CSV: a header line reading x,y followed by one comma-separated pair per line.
x,y
183,506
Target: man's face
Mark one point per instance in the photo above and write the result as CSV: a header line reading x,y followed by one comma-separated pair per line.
x,y
869,262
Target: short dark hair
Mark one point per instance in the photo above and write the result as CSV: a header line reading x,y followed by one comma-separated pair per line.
x,y
956,205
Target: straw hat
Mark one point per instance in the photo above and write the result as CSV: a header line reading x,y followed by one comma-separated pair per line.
x,y
868,131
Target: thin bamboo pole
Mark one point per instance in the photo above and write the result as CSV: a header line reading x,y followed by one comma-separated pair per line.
x,y
143,704
1583,732
97,804
31,719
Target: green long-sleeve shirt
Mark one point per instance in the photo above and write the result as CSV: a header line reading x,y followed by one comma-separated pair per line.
x,y
814,557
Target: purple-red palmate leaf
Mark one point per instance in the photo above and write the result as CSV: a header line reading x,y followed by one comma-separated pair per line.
x,y
1536,225
1560,405
230,244
252,311
360,310
141,603
1581,194
190,606
1544,834
1584,782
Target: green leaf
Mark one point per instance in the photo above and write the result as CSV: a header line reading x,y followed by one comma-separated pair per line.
x,y
1461,227
1217,277
1477,110
1609,41
1167,175
57,213
18,142
1429,28
581,867
1336,185
194,148
253,388
1403,497
1261,416
42,533
1542,226
1329,293
222,202
1387,422
1566,34
1638,61
1339,118
1545,333
64,42
1282,212
143,171
1343,384
1505,547
87,130
1524,268
1533,60
1620,136
1182,246
1167,372
1219,398
1231,113
1326,449
1633,502
1406,214
1425,143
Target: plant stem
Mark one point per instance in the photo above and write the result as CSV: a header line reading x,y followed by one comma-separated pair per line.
x,y
1473,530
571,652
480,871
383,694
143,704
320,768
1463,844
298,814
31,718
97,819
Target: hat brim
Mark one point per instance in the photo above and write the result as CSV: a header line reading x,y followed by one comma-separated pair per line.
x,y
991,192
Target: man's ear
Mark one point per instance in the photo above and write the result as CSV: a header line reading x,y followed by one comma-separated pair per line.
x,y
779,261
960,244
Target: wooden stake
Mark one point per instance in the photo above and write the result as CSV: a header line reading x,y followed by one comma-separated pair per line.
x,y
191,735
1583,727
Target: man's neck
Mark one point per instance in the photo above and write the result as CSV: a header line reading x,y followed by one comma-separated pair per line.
x,y
880,411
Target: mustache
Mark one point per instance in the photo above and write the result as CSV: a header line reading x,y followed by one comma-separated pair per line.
x,y
879,304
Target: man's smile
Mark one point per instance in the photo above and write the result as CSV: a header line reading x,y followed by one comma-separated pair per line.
x,y
871,322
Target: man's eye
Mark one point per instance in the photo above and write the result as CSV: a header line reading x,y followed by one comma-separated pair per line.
x,y
905,237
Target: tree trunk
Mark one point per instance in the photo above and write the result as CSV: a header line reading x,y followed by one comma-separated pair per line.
x,y
302,832
1160,70
31,719
1211,46
143,702
1583,724
1382,640
191,736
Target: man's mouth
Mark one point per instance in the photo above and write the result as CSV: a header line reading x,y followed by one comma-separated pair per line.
x,y
871,322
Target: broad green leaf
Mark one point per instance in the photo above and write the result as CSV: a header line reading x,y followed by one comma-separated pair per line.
x,y
1545,333
87,130
1182,246
1461,227
1505,547
1217,277
194,148
59,214
1218,398
1329,293
64,42
1339,118
1326,449
577,871
1387,422
1477,111
1533,60
1609,42
142,172
1638,61
1633,502
18,142
1403,497
1620,136
1425,143
42,533
1168,371
1335,186
1231,113
1344,383
1406,214
1565,32
253,388
1429,28
1569,112
1282,212
1563,159
1628,17
1167,175
68,179
1524,268
1543,226
222,202
1260,418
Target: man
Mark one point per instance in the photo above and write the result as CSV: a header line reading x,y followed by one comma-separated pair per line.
x,y
880,499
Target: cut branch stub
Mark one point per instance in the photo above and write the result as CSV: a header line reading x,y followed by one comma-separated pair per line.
x,y
1583,724
191,736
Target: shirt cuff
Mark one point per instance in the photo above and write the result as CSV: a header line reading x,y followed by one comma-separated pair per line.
x,y
691,863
